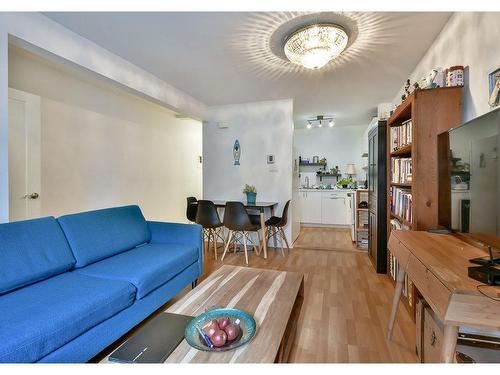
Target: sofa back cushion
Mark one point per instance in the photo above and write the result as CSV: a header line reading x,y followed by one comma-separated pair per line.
x,y
30,251
96,235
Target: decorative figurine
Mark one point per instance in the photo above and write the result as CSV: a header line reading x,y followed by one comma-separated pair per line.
x,y
407,87
236,152
495,94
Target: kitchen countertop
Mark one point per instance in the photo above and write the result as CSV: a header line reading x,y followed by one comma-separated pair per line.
x,y
334,189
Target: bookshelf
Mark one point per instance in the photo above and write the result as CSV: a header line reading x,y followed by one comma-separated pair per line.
x,y
361,217
412,176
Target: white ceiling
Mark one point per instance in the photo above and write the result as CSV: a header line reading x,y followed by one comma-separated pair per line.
x,y
225,58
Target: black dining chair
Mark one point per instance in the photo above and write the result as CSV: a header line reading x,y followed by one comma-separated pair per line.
x,y
208,217
275,225
236,219
191,209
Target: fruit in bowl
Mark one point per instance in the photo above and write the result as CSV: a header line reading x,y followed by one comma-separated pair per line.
x,y
221,331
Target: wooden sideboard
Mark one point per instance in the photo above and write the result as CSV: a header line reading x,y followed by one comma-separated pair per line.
x,y
437,265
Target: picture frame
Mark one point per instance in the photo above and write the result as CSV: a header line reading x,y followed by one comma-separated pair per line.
x,y
494,88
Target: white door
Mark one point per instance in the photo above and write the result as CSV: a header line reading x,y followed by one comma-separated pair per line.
x,y
24,156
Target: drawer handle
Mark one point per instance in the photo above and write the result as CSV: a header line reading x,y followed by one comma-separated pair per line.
x,y
433,338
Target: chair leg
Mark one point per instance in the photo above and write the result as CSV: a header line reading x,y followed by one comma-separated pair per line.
x,y
281,242
215,243
208,240
227,245
260,242
221,236
275,239
245,247
284,237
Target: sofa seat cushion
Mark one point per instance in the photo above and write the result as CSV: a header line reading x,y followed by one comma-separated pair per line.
x,y
96,235
147,267
42,317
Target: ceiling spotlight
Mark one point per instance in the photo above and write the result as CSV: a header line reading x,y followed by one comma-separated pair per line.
x,y
330,123
309,126
320,124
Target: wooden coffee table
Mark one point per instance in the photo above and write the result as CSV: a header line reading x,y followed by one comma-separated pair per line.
x,y
274,298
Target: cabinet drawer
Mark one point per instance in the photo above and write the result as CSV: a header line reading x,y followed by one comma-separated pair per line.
x,y
398,250
432,338
434,292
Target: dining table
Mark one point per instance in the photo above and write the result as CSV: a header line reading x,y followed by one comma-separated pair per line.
x,y
257,206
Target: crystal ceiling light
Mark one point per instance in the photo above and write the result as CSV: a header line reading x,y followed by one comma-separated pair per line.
x,y
315,45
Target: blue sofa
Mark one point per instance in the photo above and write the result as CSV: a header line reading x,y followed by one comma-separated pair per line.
x,y
71,286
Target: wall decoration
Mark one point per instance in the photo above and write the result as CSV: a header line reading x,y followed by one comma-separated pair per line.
x,y
236,152
494,86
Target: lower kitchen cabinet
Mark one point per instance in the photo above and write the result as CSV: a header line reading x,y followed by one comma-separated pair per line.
x,y
333,209
310,206
324,207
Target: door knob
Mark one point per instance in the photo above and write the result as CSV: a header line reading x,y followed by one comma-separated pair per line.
x,y
32,196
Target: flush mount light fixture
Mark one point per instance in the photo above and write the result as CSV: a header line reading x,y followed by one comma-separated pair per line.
x,y
318,122
314,46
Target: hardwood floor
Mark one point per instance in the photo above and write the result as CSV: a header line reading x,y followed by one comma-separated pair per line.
x,y
345,310
324,238
346,307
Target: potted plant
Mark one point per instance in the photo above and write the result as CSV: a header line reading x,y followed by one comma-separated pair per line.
x,y
345,182
251,193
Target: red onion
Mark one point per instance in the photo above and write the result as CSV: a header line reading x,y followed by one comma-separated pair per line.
x,y
223,322
212,328
232,331
219,338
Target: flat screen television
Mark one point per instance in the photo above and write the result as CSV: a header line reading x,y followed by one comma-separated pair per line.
x,y
469,179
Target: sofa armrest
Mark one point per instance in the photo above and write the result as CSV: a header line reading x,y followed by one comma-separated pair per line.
x,y
184,234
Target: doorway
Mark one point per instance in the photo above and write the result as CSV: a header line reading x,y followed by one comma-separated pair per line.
x,y
24,155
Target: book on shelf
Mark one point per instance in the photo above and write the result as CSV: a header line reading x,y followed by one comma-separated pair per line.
x,y
401,135
394,270
401,170
401,203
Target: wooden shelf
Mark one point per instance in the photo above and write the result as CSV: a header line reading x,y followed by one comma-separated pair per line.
x,y
405,222
362,229
432,112
361,209
402,184
402,112
312,164
405,150
328,175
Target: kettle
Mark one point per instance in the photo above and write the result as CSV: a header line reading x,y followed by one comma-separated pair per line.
x,y
315,159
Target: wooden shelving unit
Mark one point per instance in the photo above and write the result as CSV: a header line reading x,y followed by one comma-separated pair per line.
x,y
431,112
361,227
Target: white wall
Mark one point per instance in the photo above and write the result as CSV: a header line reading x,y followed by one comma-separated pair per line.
x,y
102,146
34,30
262,128
340,146
468,39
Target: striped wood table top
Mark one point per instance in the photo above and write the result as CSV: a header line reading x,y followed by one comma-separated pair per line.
x,y
267,294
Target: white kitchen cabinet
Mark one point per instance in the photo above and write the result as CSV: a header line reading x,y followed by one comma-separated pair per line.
x,y
333,208
329,207
310,206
